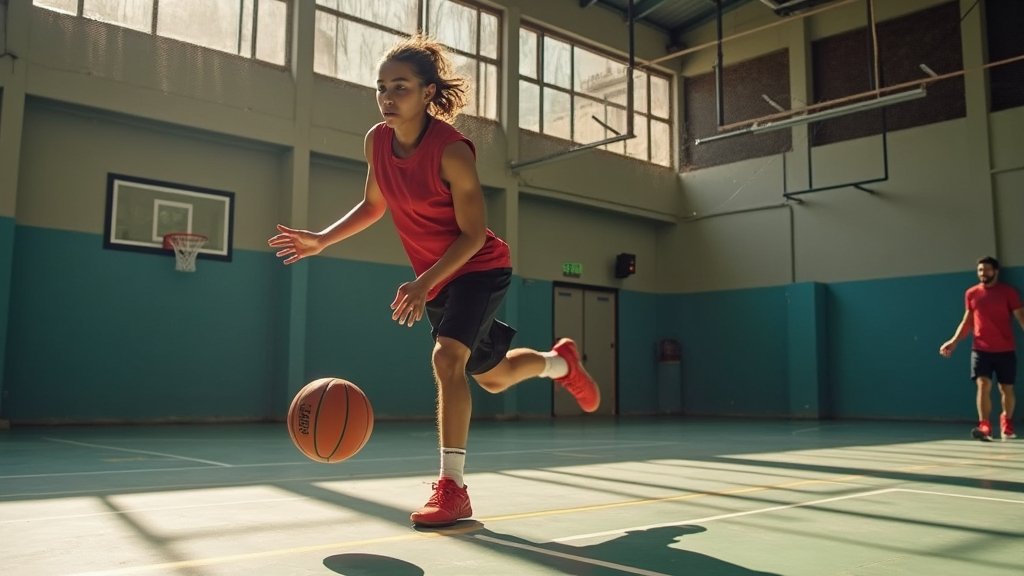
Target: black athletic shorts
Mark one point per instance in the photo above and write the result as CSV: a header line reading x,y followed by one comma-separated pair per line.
x,y
1002,364
465,310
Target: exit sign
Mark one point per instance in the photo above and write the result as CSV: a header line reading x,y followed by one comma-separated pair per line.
x,y
574,269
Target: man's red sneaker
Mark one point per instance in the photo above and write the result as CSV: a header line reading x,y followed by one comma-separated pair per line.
x,y
577,381
446,506
982,432
1006,426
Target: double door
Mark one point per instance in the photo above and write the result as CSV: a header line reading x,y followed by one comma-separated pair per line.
x,y
588,316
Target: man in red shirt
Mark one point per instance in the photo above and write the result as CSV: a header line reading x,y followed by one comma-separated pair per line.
x,y
989,305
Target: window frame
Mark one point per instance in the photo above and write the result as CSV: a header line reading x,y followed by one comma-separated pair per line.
x,y
648,115
155,19
422,22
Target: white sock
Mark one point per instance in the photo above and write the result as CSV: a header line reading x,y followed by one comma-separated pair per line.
x,y
554,365
453,461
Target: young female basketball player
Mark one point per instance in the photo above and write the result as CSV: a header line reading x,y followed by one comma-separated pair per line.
x,y
424,171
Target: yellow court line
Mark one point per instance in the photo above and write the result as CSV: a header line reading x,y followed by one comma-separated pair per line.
x,y
278,552
449,531
644,501
460,531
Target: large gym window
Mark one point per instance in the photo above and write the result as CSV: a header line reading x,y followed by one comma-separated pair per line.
x,y
577,93
352,36
250,28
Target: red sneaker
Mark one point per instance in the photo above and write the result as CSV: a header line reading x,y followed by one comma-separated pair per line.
x,y
982,432
446,506
1006,426
577,381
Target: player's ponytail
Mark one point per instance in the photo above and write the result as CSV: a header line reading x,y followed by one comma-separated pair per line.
x,y
429,60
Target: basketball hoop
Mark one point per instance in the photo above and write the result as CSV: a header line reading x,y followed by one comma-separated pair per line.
x,y
185,246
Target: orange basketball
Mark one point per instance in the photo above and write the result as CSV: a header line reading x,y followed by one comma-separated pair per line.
x,y
330,420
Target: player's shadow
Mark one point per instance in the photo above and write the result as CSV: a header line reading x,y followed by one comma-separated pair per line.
x,y
370,565
656,550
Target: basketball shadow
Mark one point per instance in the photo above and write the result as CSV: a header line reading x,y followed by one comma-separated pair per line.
x,y
656,550
371,565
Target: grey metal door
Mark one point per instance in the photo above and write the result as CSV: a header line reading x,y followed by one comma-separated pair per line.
x,y
588,317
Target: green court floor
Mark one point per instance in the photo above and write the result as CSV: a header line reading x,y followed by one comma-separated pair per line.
x,y
578,496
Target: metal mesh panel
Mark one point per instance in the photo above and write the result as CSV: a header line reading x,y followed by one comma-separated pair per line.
x,y
744,86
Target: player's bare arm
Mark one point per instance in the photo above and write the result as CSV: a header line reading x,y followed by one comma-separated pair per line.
x,y
1019,315
298,244
962,330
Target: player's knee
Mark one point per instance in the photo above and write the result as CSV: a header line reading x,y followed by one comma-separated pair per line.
x,y
449,359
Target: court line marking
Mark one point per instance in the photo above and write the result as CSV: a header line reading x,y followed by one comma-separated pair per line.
x,y
676,498
456,531
573,557
781,507
255,555
297,462
621,531
422,535
951,495
133,450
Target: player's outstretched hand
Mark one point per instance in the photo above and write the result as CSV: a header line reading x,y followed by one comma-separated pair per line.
x,y
295,244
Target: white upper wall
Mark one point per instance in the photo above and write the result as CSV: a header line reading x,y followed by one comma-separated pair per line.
x,y
952,193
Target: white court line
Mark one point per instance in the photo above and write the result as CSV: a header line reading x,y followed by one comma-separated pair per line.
x,y
620,531
583,559
211,462
775,508
989,498
293,463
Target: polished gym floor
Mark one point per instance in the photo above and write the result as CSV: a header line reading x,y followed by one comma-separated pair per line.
x,y
591,496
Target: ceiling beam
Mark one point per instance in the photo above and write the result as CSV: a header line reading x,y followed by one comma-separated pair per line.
x,y
645,7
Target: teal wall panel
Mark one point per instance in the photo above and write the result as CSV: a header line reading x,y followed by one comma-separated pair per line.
x,y
883,347
6,264
806,343
637,360
734,355
109,335
534,398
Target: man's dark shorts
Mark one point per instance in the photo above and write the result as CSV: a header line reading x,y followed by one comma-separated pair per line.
x,y
465,310
1002,364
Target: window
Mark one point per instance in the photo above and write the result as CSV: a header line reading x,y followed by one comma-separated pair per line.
x,y
352,36
576,93
250,28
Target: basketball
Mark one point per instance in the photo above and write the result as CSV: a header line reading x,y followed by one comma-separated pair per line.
x,y
330,420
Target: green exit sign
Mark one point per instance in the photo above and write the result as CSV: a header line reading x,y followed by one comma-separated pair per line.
x,y
574,269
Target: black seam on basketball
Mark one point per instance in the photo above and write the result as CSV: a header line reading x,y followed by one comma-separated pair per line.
x,y
316,423
348,408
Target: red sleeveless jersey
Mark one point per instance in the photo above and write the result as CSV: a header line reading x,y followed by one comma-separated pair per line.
x,y
421,204
991,309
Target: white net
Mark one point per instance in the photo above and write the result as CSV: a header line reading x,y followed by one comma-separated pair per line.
x,y
186,248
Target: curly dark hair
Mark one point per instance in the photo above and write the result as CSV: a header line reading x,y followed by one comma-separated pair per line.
x,y
429,61
990,261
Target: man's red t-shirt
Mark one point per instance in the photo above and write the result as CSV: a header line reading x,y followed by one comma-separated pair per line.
x,y
421,204
991,309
